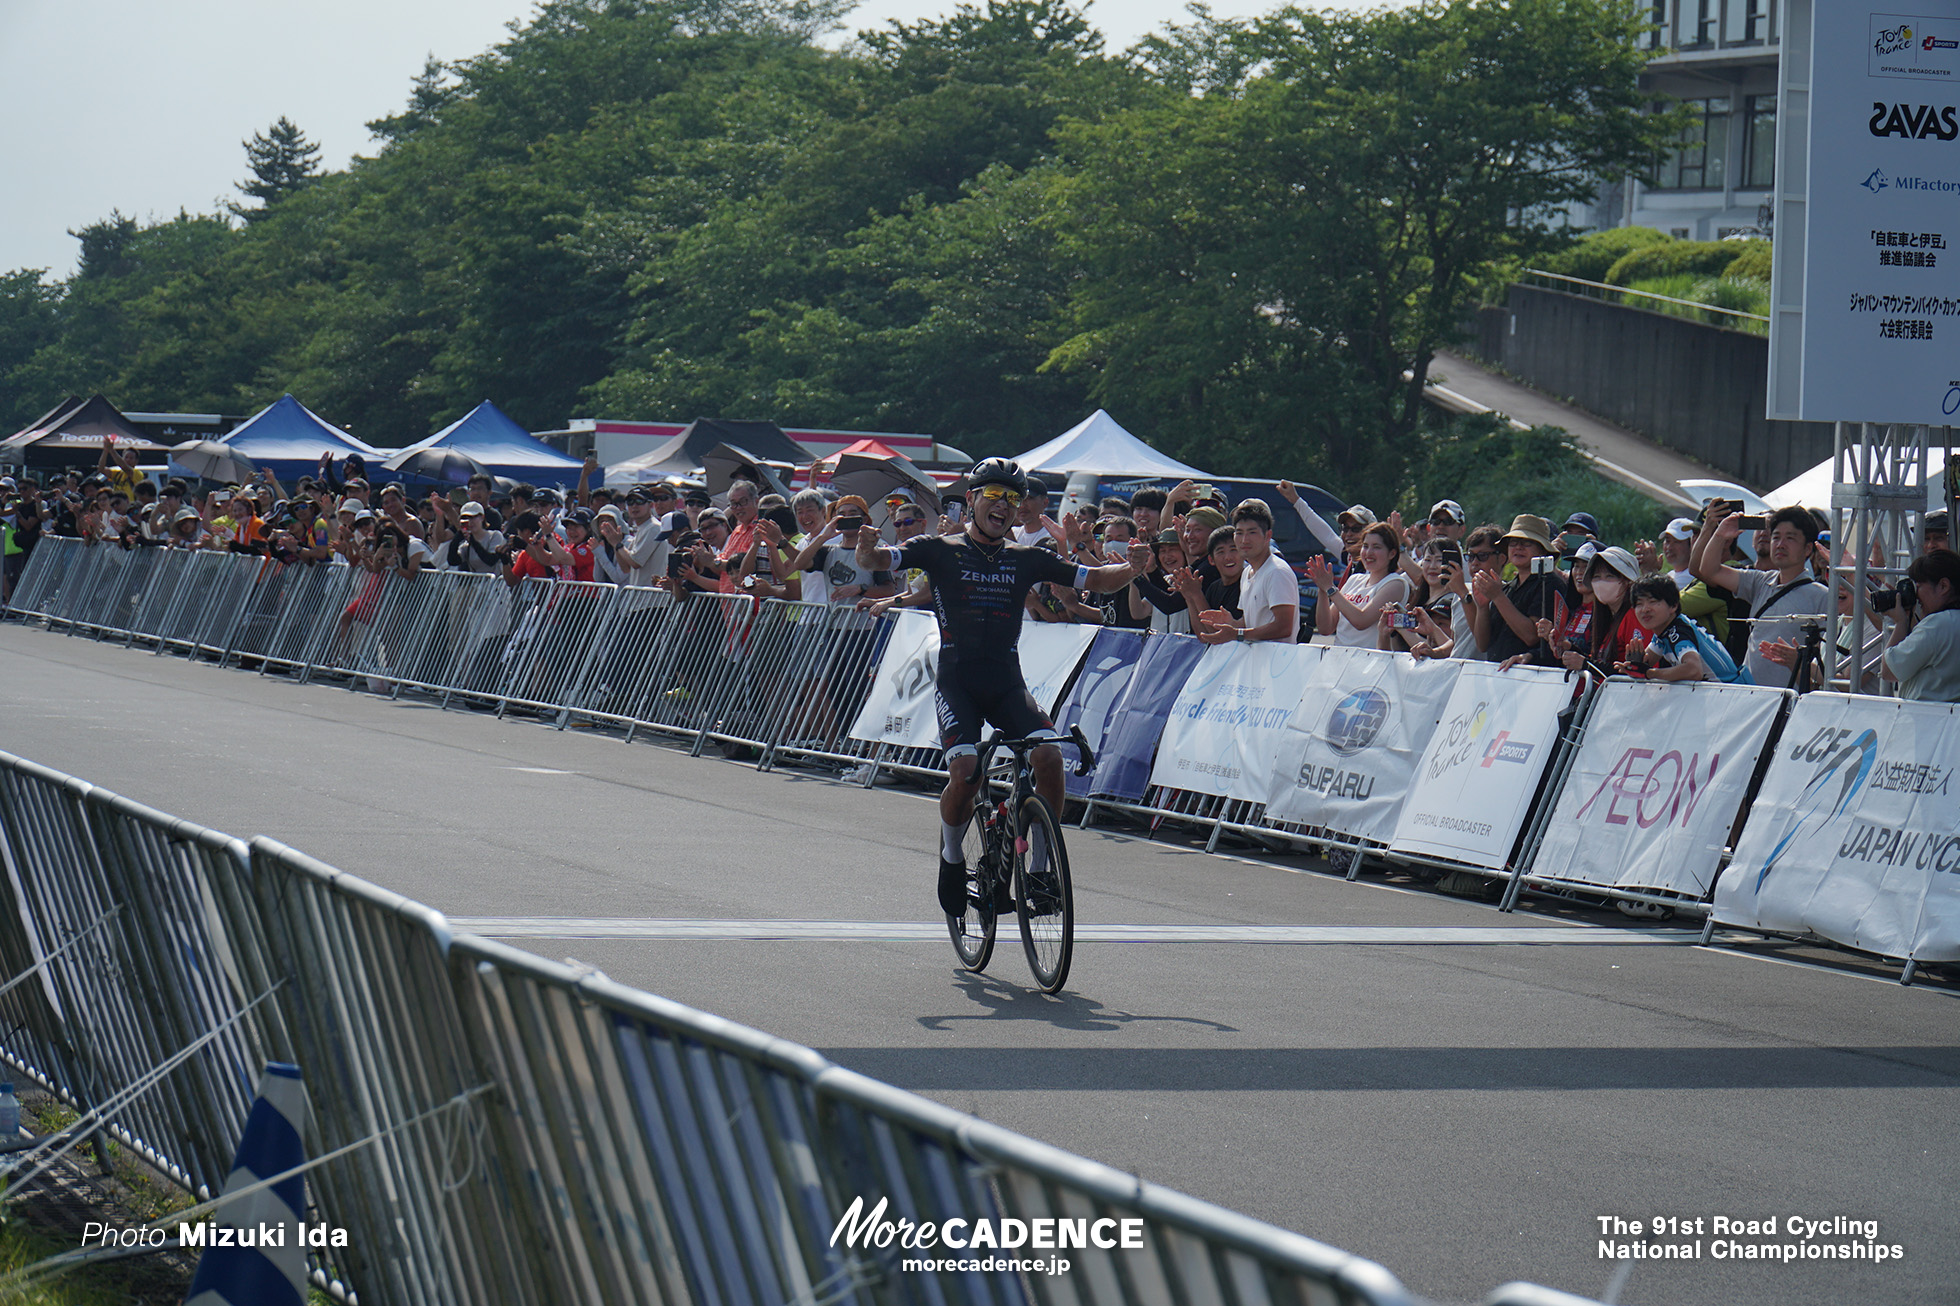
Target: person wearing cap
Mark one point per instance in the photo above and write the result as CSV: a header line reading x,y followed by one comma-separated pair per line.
x,y
186,529
575,537
1508,615
608,539
474,547
695,502
1610,574
1934,532
1447,520
647,542
1031,518
1580,528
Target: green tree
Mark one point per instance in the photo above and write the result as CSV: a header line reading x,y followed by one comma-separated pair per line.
x,y
29,323
283,163
1328,216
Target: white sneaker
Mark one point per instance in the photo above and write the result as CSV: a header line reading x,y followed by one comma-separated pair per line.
x,y
860,773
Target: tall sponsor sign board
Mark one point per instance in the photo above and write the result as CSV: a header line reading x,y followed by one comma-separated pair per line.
x,y
1130,747
1349,753
1476,778
1224,730
1865,321
1657,784
1855,833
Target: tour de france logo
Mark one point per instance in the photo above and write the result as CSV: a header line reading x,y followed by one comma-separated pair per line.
x,y
1356,720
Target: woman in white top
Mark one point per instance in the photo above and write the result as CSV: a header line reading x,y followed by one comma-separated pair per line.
x,y
1351,613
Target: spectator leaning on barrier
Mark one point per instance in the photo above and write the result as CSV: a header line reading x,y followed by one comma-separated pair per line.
x,y
1351,611
1155,596
1779,600
1924,656
1508,615
1611,574
475,547
1195,533
1676,648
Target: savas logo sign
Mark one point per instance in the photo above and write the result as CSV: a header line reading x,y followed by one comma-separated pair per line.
x,y
1913,121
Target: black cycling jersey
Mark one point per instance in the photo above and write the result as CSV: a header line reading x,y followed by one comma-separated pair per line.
x,y
979,593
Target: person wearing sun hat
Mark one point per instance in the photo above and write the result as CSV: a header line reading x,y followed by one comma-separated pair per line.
x,y
1508,615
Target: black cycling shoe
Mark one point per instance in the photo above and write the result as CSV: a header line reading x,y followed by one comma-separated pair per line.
x,y
952,887
1003,898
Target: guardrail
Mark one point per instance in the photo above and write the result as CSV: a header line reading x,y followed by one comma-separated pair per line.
x,y
496,1128
1634,298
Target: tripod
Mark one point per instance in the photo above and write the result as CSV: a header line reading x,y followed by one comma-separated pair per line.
x,y
1808,657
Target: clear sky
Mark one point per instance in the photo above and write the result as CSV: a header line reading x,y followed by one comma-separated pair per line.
x,y
142,105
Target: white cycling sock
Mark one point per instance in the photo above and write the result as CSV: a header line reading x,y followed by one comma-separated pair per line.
x,y
950,838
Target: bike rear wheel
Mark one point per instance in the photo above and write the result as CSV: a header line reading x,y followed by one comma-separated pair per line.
x,y
1044,898
973,932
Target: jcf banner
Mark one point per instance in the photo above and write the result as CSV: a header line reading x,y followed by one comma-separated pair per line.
x,y
1657,784
1476,778
1348,754
1855,834
1224,730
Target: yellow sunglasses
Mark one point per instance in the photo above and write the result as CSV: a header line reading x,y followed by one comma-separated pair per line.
x,y
999,492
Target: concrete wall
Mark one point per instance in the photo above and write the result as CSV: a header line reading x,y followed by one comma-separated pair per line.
x,y
1694,388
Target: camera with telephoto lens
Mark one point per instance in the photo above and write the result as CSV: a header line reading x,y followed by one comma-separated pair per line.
x,y
1903,596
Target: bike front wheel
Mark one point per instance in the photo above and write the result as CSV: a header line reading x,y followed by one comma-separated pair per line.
x,y
973,933
1044,898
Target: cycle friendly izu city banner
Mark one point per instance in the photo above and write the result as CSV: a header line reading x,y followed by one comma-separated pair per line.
x,y
1476,778
1855,833
1348,754
1224,730
1657,784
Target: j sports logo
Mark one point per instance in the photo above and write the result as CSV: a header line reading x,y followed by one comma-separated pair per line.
x,y
1504,749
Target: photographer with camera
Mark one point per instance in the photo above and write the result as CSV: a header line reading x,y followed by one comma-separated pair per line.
x,y
1924,654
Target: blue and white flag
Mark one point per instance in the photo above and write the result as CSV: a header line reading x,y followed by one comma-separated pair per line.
x,y
262,1263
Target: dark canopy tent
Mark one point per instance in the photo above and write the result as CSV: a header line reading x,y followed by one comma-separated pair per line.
x,y
72,434
505,448
764,441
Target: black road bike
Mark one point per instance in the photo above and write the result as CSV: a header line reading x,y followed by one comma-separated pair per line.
x,y
1014,853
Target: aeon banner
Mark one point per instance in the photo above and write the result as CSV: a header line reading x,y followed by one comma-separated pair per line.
x,y
1476,778
1657,784
1855,833
1348,754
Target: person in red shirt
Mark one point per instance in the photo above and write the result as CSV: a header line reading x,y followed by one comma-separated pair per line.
x,y
534,553
744,508
578,543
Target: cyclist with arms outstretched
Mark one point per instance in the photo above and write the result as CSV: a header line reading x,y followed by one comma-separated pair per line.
x,y
980,581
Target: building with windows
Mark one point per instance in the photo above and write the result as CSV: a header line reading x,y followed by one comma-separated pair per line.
x,y
1721,62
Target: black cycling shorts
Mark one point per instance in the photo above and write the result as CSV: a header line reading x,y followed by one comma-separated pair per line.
x,y
969,698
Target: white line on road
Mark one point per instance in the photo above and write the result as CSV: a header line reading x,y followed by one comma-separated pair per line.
x,y
575,927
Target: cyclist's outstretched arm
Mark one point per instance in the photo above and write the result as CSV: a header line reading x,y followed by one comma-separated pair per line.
x,y
1114,576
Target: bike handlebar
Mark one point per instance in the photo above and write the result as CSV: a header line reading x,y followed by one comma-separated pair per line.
x,y
1074,736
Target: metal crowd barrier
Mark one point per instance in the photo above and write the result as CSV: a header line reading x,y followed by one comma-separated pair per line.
x,y
490,1127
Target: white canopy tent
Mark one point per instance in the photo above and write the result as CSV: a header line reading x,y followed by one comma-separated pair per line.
x,y
1813,488
1098,444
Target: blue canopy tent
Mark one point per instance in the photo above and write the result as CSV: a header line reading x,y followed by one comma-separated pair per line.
x,y
506,449
287,438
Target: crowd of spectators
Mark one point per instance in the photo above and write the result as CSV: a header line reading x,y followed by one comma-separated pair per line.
x,y
1715,596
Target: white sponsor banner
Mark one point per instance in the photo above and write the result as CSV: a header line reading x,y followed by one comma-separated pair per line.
x,y
1855,833
1657,783
1475,781
1225,729
901,708
1347,756
1050,653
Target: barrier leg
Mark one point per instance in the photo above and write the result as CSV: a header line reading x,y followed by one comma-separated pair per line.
x,y
1354,862
1905,976
1707,929
1088,814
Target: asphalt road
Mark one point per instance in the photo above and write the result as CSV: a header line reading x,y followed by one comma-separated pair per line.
x,y
1458,1094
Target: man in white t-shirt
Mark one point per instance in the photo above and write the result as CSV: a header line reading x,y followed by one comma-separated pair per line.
x,y
1677,544
1269,594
